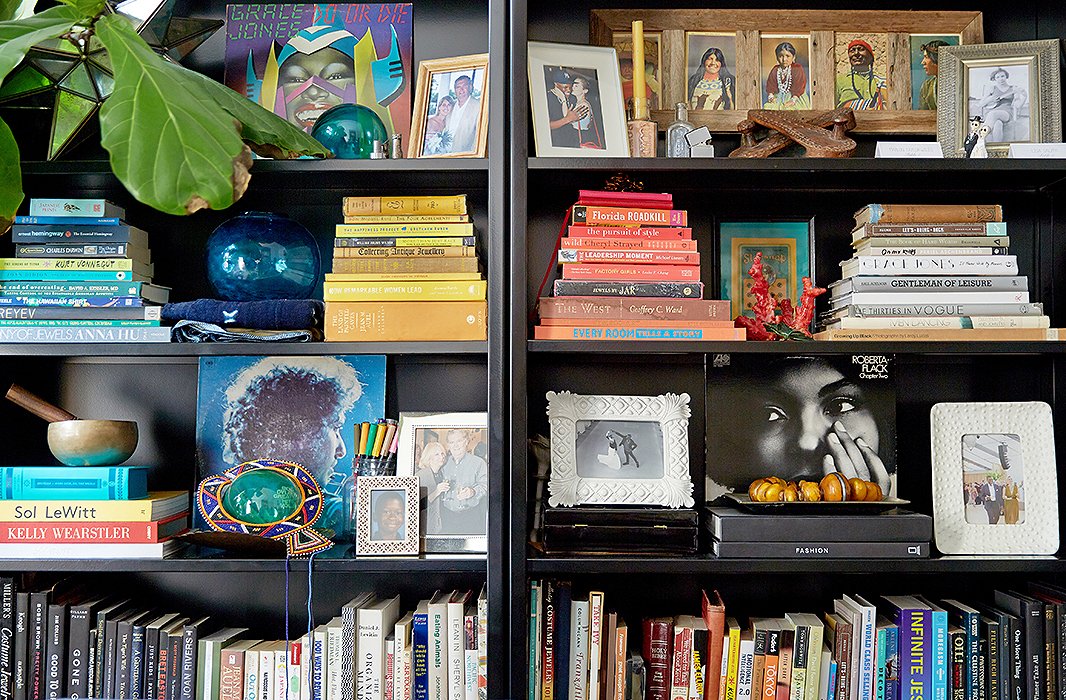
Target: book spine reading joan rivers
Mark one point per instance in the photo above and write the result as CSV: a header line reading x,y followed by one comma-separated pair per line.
x,y
401,320
623,309
628,216
928,213
654,233
672,290
431,205
657,656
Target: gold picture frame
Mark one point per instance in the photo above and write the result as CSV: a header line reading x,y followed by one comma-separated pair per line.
x,y
820,28
436,135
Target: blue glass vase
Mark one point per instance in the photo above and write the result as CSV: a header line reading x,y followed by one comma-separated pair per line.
x,y
349,131
262,255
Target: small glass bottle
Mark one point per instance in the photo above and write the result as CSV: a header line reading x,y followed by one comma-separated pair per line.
x,y
676,145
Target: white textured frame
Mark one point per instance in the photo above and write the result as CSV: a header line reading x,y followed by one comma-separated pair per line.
x,y
1032,423
671,411
364,545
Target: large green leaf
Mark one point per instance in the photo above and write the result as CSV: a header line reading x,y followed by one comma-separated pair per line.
x,y
18,36
266,132
171,150
10,177
86,8
16,9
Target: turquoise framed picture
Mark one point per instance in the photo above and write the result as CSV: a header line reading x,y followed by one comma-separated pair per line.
x,y
787,257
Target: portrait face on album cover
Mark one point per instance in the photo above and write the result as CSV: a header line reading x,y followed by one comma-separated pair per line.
x,y
800,418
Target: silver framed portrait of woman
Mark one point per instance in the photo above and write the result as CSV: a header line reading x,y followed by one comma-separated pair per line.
x,y
990,96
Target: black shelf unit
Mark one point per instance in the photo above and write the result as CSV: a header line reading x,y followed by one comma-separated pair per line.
x,y
156,383
826,191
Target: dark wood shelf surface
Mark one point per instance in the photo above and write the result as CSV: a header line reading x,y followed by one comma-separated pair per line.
x,y
293,167
178,564
202,349
819,347
706,564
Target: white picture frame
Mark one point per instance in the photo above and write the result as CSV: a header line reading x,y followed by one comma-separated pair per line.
x,y
583,471
442,534
594,135
974,448
386,516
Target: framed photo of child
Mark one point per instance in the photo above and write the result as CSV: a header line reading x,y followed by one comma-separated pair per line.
x,y
387,520
451,112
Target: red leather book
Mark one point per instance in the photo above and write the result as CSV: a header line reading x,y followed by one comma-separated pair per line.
x,y
651,200
658,635
713,610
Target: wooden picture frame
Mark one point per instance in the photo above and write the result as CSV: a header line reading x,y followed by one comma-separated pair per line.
x,y
437,138
821,28
386,516
994,478
1029,71
583,425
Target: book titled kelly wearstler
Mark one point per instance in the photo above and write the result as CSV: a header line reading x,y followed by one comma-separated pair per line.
x,y
296,409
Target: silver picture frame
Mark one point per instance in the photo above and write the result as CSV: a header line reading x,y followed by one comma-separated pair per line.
x,y
962,93
581,475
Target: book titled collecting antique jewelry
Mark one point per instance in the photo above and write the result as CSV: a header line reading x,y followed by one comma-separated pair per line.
x,y
800,417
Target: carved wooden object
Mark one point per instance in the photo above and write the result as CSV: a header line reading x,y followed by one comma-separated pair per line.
x,y
787,128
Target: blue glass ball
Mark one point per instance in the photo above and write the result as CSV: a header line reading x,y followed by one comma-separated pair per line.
x,y
262,255
349,131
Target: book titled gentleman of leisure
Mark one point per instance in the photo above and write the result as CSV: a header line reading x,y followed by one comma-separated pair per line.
x,y
73,483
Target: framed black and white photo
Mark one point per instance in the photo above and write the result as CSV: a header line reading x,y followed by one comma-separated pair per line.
x,y
1010,89
994,482
800,417
621,450
387,516
576,94
447,453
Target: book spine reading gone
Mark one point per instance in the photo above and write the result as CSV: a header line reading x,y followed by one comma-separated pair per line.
x,y
657,657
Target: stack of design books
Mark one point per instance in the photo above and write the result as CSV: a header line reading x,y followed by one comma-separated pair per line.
x,y
630,271
736,534
932,272
87,513
80,274
394,254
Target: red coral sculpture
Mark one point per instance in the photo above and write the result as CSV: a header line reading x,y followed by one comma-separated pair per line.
x,y
778,320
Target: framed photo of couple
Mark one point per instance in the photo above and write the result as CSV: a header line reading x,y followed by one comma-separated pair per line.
x,y
451,108
722,63
994,481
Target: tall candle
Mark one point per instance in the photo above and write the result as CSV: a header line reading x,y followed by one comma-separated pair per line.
x,y
640,95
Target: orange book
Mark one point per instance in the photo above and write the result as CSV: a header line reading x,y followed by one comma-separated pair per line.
x,y
928,213
405,320
626,273
771,663
713,612
628,216
664,233
617,332
635,323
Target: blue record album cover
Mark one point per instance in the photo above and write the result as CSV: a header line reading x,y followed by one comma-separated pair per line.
x,y
293,409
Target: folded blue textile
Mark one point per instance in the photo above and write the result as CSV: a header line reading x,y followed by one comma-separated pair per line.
x,y
272,314
201,332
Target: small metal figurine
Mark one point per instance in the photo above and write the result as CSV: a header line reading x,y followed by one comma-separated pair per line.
x,y
379,151
395,150
971,138
980,148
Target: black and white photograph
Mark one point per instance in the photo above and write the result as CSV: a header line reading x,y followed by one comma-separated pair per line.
x,y
999,96
608,449
800,417
992,480
386,516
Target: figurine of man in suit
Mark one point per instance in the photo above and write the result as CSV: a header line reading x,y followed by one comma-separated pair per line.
x,y
971,138
628,446
991,495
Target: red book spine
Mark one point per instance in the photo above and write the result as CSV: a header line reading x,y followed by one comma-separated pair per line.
x,y
593,243
231,675
629,257
713,611
626,273
161,672
628,216
655,648
661,200
659,232
80,533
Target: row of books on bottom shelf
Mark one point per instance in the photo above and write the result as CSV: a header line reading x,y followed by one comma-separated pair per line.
x,y
64,643
905,647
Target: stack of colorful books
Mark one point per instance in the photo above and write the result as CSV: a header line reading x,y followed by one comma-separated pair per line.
x,y
393,254
932,272
87,513
80,274
630,271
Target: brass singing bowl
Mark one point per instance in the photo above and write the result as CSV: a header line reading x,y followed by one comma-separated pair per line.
x,y
92,443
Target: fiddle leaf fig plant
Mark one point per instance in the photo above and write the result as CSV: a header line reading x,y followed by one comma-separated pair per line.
x,y
177,140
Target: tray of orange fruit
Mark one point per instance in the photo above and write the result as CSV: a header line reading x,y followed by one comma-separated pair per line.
x,y
835,493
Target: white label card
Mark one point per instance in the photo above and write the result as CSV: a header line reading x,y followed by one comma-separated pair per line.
x,y
908,149
1037,150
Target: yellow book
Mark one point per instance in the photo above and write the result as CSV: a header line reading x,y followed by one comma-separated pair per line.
x,y
405,320
442,290
419,241
432,204
398,266
383,253
358,230
158,505
408,219
733,628
400,276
